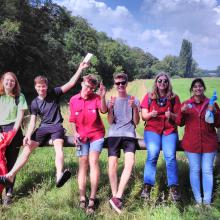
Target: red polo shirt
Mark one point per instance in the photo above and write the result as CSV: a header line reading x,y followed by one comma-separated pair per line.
x,y
160,124
199,136
85,114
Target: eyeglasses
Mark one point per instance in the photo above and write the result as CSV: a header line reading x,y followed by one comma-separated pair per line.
x,y
162,80
122,83
88,86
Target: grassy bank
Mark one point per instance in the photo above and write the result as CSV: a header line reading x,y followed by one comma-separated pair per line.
x,y
36,196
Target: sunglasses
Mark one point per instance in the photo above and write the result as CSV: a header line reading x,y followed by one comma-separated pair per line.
x,y
122,83
162,80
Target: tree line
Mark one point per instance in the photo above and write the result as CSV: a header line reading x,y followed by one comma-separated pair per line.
x,y
41,37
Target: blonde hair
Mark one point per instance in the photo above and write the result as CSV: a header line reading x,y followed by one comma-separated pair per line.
x,y
123,76
40,79
16,90
169,92
91,79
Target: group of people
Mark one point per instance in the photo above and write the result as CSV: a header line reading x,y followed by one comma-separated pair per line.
x,y
160,109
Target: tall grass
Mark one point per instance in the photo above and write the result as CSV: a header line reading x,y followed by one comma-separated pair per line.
x,y
36,196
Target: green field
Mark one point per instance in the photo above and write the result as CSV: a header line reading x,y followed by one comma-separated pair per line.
x,y
36,196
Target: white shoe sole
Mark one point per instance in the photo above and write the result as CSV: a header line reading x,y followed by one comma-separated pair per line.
x,y
115,207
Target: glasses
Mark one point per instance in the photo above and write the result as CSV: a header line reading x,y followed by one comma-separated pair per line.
x,y
121,83
89,87
162,81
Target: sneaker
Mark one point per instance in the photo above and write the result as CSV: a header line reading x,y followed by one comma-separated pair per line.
x,y
116,204
174,193
145,194
7,200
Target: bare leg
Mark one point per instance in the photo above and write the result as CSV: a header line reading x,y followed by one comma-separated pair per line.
x,y
82,174
112,173
22,159
128,166
94,172
59,157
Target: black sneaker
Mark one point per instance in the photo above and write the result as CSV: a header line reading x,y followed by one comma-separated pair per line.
x,y
145,194
174,193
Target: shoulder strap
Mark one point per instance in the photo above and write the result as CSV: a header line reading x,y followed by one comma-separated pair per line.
x,y
16,100
38,109
173,101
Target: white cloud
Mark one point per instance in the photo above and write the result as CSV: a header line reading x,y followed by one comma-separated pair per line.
x,y
102,17
163,26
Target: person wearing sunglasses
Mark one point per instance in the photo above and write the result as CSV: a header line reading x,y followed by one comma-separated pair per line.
x,y
88,132
47,106
160,109
200,140
123,116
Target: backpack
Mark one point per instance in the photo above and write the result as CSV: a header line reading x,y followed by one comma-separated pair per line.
x,y
172,101
17,100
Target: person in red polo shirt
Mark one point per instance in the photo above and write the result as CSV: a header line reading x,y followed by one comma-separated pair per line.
x,y
89,132
200,139
160,109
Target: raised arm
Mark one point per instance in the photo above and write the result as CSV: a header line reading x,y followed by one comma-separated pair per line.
x,y
102,92
66,87
135,109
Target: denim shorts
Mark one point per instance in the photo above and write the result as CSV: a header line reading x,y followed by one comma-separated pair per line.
x,y
95,146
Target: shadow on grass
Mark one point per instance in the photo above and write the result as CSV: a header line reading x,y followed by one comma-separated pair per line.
x,y
31,181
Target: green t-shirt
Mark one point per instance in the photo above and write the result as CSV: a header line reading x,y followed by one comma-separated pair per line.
x,y
9,108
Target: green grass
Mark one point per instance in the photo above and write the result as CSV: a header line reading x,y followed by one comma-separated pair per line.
x,y
36,196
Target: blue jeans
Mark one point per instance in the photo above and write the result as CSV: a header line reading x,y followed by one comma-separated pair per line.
x,y
154,142
204,161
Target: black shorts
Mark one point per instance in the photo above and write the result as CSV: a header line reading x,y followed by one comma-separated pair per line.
x,y
45,133
115,144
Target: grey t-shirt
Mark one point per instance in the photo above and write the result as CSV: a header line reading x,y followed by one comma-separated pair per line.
x,y
123,125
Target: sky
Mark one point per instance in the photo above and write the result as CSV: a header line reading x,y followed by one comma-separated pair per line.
x,y
157,26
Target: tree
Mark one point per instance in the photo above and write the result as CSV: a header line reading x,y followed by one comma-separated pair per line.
x,y
185,59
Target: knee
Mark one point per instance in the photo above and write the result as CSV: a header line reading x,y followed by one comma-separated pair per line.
x,y
94,162
195,169
28,150
84,162
129,165
152,156
59,151
171,158
207,171
112,165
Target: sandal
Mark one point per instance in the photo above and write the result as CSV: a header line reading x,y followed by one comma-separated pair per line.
x,y
65,176
91,208
82,204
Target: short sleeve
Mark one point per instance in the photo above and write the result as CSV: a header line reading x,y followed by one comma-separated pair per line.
x,y
58,91
22,104
72,112
34,107
144,103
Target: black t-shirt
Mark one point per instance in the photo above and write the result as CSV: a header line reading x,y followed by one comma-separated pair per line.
x,y
48,109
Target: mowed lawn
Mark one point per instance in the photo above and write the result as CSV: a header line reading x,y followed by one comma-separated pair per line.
x,y
36,196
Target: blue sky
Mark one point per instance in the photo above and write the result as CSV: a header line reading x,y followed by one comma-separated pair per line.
x,y
157,26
